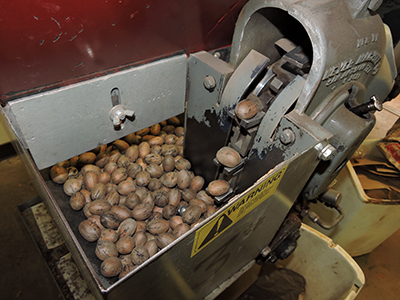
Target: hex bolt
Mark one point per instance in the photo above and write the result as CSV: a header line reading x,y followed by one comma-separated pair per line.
x,y
327,152
209,83
287,136
276,85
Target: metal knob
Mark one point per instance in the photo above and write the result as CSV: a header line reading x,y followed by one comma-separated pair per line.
x,y
118,113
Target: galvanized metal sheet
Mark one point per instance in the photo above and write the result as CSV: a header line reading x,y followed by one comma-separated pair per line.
x,y
62,123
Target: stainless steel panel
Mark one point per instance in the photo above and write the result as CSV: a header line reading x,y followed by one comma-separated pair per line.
x,y
62,123
172,273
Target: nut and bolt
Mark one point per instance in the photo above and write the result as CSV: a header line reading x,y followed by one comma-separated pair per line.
x,y
209,83
325,152
287,136
264,252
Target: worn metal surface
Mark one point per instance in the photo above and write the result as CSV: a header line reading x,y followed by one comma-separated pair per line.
x,y
341,60
208,122
58,218
54,43
363,57
54,252
62,123
73,278
201,65
307,133
203,136
265,133
49,232
51,255
245,75
349,132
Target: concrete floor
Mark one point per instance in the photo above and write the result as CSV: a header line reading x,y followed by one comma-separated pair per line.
x,y
381,268
24,274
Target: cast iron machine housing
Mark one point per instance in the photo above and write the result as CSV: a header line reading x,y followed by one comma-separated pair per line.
x,y
315,70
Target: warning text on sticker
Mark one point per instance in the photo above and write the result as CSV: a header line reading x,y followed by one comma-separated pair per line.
x,y
262,192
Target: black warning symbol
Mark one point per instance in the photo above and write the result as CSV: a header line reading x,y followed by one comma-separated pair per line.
x,y
223,222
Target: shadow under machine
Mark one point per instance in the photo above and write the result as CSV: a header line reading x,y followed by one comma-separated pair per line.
x,y
292,92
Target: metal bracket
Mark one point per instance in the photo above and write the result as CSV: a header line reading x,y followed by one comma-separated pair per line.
x,y
243,77
223,198
50,122
230,171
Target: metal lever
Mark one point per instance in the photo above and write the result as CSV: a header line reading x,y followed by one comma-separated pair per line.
x,y
331,199
327,226
374,104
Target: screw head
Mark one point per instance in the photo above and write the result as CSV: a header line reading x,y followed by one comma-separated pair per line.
x,y
209,83
217,55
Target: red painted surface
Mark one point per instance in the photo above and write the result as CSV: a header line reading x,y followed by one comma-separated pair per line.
x,y
56,42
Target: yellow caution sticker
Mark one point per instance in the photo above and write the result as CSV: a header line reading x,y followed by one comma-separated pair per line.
x,y
240,208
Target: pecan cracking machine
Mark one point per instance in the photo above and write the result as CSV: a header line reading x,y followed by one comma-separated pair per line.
x,y
316,70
